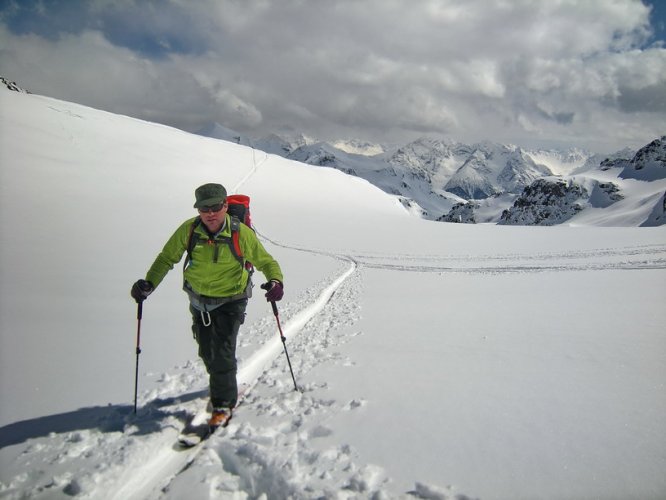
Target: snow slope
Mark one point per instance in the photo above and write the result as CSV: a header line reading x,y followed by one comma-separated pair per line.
x,y
435,360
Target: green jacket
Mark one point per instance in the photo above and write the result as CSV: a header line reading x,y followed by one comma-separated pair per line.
x,y
213,270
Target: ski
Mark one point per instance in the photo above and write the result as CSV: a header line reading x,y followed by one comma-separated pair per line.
x,y
189,438
195,433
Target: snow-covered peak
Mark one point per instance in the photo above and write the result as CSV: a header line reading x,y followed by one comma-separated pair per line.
x,y
493,169
649,163
561,162
606,162
320,153
472,180
283,144
274,144
433,160
354,146
427,150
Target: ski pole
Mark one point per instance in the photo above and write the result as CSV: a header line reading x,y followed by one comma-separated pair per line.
x,y
284,342
139,314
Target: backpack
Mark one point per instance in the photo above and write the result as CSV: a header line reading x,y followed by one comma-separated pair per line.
x,y
239,211
239,207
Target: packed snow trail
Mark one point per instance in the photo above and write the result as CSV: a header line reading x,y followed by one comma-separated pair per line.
x,y
148,478
631,257
276,448
255,166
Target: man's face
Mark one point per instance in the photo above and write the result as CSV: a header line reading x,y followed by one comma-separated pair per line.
x,y
213,216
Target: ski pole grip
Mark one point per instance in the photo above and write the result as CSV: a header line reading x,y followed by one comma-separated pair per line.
x,y
275,309
139,310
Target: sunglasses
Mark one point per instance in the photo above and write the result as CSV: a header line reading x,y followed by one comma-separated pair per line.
x,y
212,208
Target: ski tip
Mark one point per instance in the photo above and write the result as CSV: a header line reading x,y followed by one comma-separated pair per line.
x,y
186,444
189,440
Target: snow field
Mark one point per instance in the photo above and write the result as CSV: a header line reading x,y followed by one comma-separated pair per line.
x,y
549,398
450,361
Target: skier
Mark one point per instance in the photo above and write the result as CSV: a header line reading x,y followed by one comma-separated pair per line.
x,y
218,284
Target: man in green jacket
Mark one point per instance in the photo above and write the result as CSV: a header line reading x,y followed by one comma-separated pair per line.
x,y
218,285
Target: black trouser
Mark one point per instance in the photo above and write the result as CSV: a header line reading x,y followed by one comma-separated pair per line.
x,y
216,333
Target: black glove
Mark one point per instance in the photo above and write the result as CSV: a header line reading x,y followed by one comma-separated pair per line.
x,y
274,290
141,289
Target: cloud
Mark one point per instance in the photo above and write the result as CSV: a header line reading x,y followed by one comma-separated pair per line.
x,y
518,71
646,99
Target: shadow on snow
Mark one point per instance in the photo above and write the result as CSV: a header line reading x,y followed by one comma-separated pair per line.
x,y
111,418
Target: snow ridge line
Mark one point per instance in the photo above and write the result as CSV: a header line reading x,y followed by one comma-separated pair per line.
x,y
150,479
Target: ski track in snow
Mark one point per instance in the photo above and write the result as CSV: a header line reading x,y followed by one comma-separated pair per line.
x,y
255,166
275,453
627,258
148,480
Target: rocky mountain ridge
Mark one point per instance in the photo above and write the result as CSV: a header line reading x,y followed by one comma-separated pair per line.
x,y
12,85
553,200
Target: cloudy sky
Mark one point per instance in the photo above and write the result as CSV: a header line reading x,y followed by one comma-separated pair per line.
x,y
547,73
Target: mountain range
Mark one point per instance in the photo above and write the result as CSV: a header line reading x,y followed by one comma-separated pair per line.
x,y
495,183
487,182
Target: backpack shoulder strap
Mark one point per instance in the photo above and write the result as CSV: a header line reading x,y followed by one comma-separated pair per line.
x,y
235,239
235,244
192,239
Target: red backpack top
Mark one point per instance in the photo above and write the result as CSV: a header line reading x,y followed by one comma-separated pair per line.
x,y
239,207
